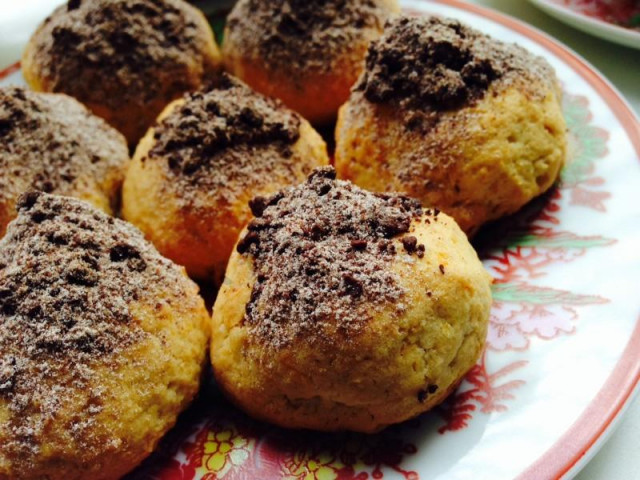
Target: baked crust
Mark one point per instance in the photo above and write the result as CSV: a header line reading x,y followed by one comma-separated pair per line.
x,y
305,55
102,343
478,139
380,362
205,194
52,143
124,59
477,165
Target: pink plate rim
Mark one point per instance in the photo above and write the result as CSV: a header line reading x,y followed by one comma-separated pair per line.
x,y
596,419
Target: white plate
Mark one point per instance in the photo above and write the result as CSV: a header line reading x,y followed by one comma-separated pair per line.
x,y
576,15
563,355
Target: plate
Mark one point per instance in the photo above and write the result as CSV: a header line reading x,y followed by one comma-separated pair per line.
x,y
602,18
563,352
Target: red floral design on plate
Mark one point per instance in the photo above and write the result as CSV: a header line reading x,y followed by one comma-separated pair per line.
x,y
216,441
485,390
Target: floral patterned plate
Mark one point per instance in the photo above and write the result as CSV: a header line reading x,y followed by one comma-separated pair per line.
x,y
614,20
563,352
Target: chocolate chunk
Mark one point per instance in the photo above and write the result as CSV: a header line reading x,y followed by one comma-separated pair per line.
x,y
359,244
251,238
324,189
123,251
257,205
352,285
409,243
27,200
73,4
322,172
80,275
423,394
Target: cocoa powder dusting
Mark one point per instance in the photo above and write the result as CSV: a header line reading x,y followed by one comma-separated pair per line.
x,y
322,253
68,275
225,134
427,65
304,35
134,42
53,144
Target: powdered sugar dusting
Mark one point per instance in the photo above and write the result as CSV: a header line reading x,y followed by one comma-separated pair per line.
x,y
427,65
52,143
68,274
225,137
134,42
321,254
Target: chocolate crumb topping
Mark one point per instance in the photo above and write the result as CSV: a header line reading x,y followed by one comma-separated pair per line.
x,y
257,205
428,65
305,35
52,143
410,243
68,276
226,131
133,42
424,393
321,254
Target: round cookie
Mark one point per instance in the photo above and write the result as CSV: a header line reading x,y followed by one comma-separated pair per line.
x,y
454,118
306,53
124,59
52,143
208,155
347,310
102,343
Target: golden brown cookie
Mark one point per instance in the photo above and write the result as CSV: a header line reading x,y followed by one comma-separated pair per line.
x,y
307,53
454,118
102,342
52,143
210,152
124,59
347,310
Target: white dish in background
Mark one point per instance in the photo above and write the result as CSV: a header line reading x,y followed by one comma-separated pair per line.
x,y
17,24
589,24
563,356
